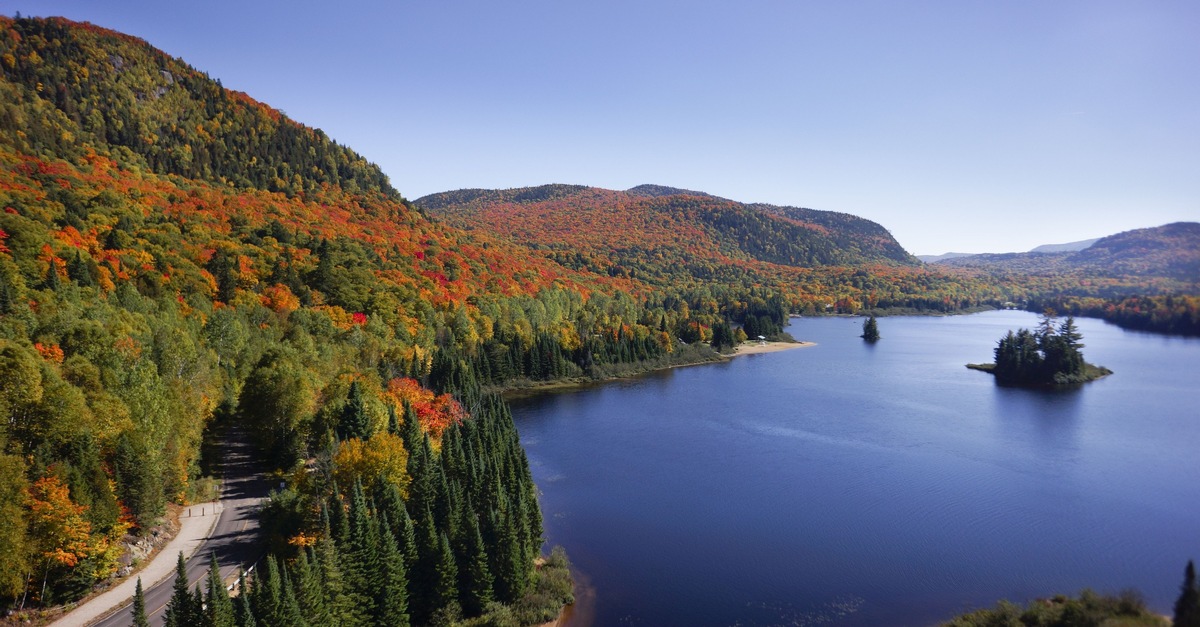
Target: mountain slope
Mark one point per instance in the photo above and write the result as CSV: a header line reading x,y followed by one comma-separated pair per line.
x,y
1065,248
181,122
678,227
1170,252
942,257
174,256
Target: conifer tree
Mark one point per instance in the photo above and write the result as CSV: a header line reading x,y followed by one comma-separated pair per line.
x,y
218,607
354,422
267,598
198,606
391,583
309,593
243,615
870,330
1187,606
391,507
475,580
423,581
180,609
446,591
139,606
340,603
52,280
289,606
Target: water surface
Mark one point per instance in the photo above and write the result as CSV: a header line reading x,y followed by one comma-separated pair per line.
x,y
857,484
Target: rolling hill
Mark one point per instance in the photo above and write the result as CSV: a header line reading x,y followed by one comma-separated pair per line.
x,y
655,231
1170,251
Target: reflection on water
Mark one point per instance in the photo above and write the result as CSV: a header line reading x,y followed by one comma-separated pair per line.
x,y
859,484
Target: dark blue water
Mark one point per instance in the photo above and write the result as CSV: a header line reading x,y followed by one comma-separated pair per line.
x,y
851,484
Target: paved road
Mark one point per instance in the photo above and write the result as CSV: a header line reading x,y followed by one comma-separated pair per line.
x,y
234,538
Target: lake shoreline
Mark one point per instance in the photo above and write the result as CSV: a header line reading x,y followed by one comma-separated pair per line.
x,y
746,348
860,458
757,348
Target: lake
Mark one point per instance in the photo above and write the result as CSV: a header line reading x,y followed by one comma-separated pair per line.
x,y
857,484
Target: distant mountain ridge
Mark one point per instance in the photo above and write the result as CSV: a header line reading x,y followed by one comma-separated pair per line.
x,y
1044,248
680,227
1065,248
1169,251
942,257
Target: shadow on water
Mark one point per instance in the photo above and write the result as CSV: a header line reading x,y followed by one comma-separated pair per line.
x,y
1054,413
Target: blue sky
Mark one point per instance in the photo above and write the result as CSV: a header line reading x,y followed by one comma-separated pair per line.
x,y
959,125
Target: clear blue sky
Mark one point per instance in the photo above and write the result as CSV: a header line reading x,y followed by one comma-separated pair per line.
x,y
965,126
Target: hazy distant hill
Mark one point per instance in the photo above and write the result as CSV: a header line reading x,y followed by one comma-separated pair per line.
x,y
942,257
1065,248
1169,251
662,230
1045,248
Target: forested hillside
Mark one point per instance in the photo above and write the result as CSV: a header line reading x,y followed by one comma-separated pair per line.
x,y
1143,279
669,238
174,256
1167,253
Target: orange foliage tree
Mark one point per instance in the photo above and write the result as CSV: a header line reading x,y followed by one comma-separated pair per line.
x,y
434,412
58,528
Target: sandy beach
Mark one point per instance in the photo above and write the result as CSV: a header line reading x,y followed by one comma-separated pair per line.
x,y
754,348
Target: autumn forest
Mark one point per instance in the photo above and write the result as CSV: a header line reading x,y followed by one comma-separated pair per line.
x,y
177,258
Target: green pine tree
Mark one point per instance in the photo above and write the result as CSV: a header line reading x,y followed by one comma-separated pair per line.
x,y
870,330
243,615
1187,607
289,606
475,579
309,591
139,606
218,607
446,590
267,597
355,422
180,609
391,583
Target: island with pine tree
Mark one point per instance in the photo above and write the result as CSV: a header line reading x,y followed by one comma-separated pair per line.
x,y
1048,356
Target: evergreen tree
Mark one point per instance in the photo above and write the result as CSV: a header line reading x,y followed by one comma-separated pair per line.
x,y
243,615
340,603
391,583
218,607
870,330
52,279
139,606
446,590
722,336
198,606
1187,606
475,580
1049,356
267,597
181,607
6,298
422,583
289,606
355,422
309,593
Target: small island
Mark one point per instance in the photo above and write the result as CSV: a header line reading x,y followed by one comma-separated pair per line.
x,y
1046,357
870,330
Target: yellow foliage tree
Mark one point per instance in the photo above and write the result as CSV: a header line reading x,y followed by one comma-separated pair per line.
x,y
381,457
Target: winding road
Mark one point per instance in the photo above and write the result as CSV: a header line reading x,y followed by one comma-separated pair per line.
x,y
235,540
